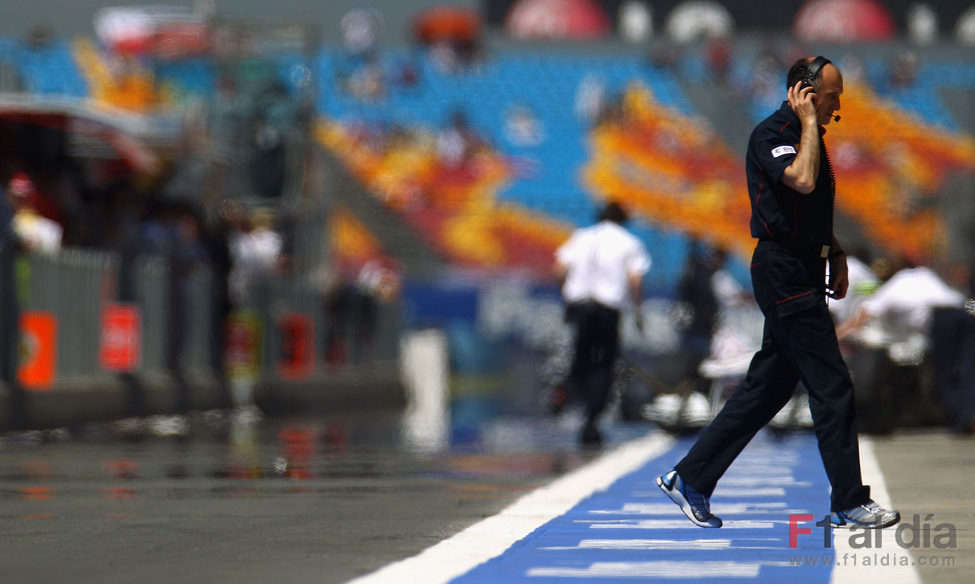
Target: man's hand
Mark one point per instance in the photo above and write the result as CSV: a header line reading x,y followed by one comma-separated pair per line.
x,y
802,101
839,279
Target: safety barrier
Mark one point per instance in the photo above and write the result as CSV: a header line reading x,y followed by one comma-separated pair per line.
x,y
69,289
78,337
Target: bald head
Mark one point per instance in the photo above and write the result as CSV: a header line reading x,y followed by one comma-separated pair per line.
x,y
827,82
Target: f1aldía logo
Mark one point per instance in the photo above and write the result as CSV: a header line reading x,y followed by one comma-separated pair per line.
x,y
914,534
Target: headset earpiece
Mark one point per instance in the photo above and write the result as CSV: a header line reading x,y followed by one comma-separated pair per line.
x,y
808,75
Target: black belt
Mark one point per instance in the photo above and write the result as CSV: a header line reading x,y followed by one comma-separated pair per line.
x,y
801,248
590,304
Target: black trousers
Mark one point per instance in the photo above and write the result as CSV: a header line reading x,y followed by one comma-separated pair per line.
x,y
595,350
799,343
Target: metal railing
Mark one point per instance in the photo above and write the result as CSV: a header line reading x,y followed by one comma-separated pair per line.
x,y
72,286
179,328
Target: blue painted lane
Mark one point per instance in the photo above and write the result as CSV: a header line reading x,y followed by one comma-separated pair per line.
x,y
632,532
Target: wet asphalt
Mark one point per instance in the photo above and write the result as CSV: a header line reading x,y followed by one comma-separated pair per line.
x,y
238,497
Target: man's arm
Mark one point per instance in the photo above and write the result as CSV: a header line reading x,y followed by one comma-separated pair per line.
x,y
560,271
801,174
839,277
634,281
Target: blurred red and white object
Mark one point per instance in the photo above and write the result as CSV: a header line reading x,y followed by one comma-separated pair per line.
x,y
21,185
164,31
568,19
843,20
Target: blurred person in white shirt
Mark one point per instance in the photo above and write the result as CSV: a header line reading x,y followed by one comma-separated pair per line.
x,y
256,249
601,268
36,232
901,310
893,333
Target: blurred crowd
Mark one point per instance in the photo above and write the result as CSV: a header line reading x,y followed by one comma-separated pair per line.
x,y
908,336
47,211
901,317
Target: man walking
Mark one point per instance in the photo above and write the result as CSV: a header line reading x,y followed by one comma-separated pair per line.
x,y
602,269
792,191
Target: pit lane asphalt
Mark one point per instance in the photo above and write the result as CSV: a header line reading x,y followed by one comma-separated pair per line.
x,y
224,497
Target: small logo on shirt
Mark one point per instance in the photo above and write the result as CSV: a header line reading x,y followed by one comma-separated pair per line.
x,y
782,151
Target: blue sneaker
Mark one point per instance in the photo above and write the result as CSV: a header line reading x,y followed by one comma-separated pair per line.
x,y
870,515
695,505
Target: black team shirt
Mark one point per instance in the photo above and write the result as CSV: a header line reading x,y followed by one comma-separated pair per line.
x,y
779,212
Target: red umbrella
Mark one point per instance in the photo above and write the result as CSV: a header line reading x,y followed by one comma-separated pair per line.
x,y
843,20
447,23
576,19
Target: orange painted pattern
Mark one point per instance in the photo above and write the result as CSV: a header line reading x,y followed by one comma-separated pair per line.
x,y
454,209
674,171
351,242
670,169
890,167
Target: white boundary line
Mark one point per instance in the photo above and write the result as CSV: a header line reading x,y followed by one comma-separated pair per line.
x,y
849,574
491,537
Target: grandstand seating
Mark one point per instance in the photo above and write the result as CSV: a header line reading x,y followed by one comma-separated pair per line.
x,y
526,196
545,84
554,186
546,180
48,70
922,98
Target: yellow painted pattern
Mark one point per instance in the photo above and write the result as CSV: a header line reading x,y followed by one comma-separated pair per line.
x,y
670,169
674,171
350,240
125,84
456,209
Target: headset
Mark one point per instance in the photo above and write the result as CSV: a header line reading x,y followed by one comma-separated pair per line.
x,y
812,70
808,76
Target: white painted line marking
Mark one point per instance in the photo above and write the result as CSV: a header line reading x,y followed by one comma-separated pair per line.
x,y
777,481
647,544
720,493
847,573
491,537
651,544
676,524
723,493
663,569
770,508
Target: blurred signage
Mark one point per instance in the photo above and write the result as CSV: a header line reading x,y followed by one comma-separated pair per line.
x,y
772,15
168,32
572,19
748,15
242,359
297,346
38,350
120,346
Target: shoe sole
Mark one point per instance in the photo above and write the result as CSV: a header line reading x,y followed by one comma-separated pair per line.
x,y
852,525
684,505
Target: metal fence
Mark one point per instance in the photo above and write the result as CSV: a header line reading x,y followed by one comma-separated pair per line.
x,y
72,287
152,275
179,330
